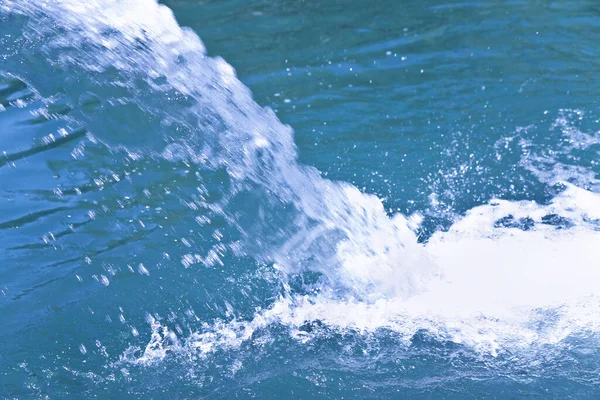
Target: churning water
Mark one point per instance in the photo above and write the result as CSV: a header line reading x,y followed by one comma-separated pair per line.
x,y
161,238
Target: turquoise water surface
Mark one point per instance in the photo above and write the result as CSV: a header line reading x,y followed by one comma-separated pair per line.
x,y
299,199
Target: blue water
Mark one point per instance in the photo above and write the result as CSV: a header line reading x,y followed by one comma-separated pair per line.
x,y
286,199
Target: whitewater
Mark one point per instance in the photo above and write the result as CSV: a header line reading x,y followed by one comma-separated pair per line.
x,y
508,278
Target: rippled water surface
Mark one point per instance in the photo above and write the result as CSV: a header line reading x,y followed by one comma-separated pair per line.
x,y
278,199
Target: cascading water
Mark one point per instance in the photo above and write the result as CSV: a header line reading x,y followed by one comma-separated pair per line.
x,y
304,221
507,285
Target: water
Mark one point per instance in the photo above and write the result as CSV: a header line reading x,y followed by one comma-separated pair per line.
x,y
392,201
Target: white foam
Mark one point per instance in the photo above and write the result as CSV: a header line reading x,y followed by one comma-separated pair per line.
x,y
495,288
499,289
495,281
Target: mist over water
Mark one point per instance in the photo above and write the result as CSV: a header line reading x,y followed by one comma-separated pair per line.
x,y
162,236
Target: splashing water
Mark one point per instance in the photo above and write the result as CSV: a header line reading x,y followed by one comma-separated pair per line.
x,y
508,275
502,287
326,226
